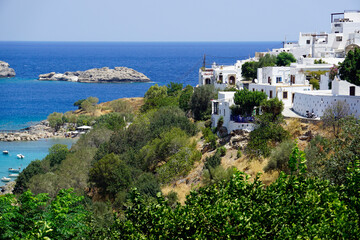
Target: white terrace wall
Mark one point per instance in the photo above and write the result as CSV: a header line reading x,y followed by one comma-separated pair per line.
x,y
318,103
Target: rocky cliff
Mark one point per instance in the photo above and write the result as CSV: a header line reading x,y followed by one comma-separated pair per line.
x,y
5,70
105,74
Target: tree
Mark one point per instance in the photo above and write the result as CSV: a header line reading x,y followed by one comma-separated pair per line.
x,y
185,97
267,61
88,107
157,97
349,69
315,78
272,108
200,102
55,120
57,153
284,59
110,175
22,181
78,103
173,89
249,70
333,114
248,100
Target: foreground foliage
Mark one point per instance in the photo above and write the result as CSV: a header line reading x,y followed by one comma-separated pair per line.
x,y
35,217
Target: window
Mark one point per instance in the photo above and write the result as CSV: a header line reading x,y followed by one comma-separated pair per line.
x,y
253,89
337,25
262,90
352,91
339,38
285,95
278,80
307,41
270,96
292,79
216,107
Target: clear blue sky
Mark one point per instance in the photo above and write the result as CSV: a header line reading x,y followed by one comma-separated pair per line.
x,y
165,20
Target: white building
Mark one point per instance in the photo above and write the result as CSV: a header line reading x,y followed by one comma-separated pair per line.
x,y
221,107
344,36
318,101
222,76
281,82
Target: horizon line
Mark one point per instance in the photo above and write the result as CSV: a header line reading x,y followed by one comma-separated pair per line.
x,y
91,41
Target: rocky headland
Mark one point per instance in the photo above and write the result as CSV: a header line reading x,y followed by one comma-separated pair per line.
x,y
5,70
97,75
33,133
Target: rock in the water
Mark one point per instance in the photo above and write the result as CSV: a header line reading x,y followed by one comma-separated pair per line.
x,y
105,74
5,70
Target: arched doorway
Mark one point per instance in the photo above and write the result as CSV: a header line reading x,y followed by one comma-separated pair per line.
x,y
207,81
232,80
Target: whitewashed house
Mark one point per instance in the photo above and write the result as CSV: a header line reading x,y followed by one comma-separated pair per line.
x,y
317,101
281,82
221,107
223,76
344,36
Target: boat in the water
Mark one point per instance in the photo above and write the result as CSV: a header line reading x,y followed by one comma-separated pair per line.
x,y
5,179
5,152
14,169
13,175
20,156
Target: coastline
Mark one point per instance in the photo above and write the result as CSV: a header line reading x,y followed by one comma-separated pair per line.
x,y
7,188
33,133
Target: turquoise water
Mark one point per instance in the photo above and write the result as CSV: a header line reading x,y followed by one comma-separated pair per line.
x,y
32,150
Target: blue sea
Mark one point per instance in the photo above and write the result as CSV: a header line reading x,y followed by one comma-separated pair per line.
x,y
24,100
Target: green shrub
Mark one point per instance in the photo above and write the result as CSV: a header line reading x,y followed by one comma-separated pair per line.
x,y
209,137
239,153
213,161
279,157
178,165
222,151
217,175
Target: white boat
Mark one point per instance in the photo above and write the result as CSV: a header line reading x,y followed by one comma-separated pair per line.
x,y
5,152
5,179
13,175
14,169
20,156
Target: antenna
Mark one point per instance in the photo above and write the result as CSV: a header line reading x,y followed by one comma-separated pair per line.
x,y
204,61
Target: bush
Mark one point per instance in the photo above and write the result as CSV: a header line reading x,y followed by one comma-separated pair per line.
x,y
113,121
213,161
167,118
279,157
262,136
209,137
222,151
217,175
147,184
178,165
120,106
239,153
